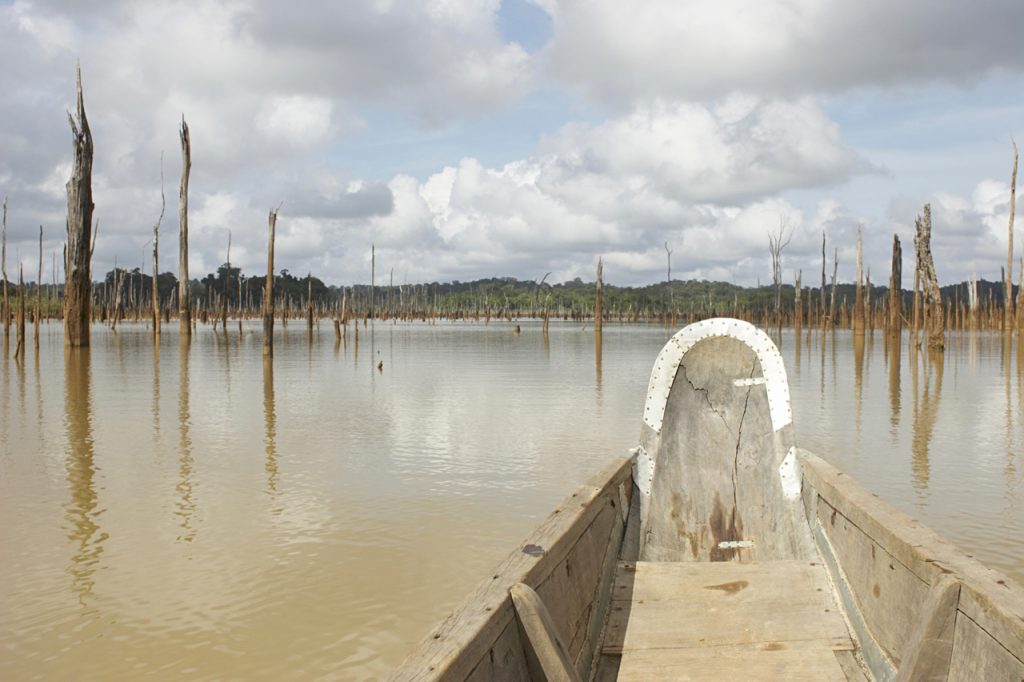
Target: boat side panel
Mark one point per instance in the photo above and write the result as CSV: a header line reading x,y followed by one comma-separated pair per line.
x,y
875,544
481,639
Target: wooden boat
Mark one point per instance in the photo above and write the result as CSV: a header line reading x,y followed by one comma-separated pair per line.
x,y
719,550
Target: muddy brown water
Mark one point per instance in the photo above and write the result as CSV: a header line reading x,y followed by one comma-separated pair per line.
x,y
191,512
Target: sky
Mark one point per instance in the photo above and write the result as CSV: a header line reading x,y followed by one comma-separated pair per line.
x,y
514,138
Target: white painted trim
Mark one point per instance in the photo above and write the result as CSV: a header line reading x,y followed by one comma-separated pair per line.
x,y
789,474
668,360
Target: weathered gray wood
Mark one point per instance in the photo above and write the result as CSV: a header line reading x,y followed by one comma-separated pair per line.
x,y
78,259
918,557
851,666
705,604
889,596
977,656
716,478
184,295
505,661
773,662
546,653
471,636
725,620
987,596
931,643
268,289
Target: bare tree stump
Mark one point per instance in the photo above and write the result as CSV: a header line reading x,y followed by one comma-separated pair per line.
x,y
929,281
184,297
80,242
268,291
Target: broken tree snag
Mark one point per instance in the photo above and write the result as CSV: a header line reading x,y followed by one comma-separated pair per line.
x,y
309,304
78,266
821,292
184,299
858,301
598,297
19,350
929,281
4,305
896,288
224,298
1008,289
268,291
156,256
798,311
39,294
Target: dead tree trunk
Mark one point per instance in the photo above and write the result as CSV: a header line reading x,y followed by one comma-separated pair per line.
x,y
858,300
268,291
156,252
19,350
1008,289
224,298
929,281
39,294
599,297
821,312
184,297
309,304
798,311
832,292
5,304
896,288
78,264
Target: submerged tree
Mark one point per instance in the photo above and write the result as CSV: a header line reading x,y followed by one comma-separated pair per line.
x,y
80,236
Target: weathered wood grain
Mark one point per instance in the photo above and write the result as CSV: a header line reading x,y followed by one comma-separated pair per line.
x,y
931,642
753,663
978,656
546,654
723,620
472,635
918,559
716,478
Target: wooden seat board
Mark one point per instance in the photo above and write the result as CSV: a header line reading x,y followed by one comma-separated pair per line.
x,y
724,620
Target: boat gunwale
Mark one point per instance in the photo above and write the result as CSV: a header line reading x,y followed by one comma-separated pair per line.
x,y
989,598
457,644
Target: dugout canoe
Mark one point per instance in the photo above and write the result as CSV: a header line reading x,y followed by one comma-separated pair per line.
x,y
719,550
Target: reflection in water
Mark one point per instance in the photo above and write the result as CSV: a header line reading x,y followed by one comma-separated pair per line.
x,y
156,392
858,378
597,358
81,511
270,419
323,560
926,409
1011,460
186,506
895,352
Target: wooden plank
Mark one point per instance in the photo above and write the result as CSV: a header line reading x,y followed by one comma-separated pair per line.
x,y
988,597
461,642
977,656
693,605
598,612
546,653
666,625
769,661
851,666
505,661
888,595
931,643
711,583
607,669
